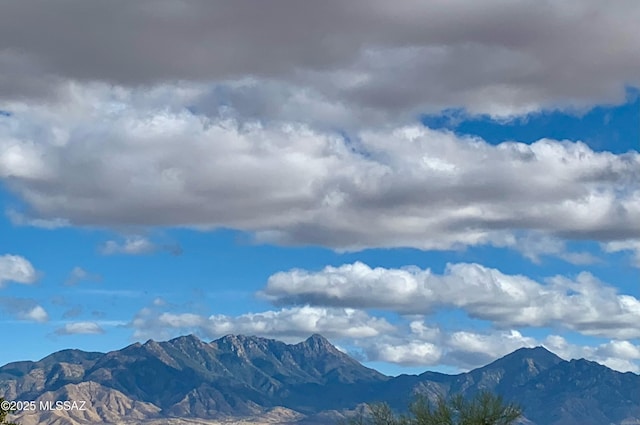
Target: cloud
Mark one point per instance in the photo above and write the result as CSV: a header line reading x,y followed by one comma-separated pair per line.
x,y
371,338
159,301
534,246
24,309
14,268
124,293
136,245
473,349
462,349
617,354
287,324
73,312
144,164
468,349
424,344
583,304
497,57
78,274
632,245
19,219
80,328
412,353
36,314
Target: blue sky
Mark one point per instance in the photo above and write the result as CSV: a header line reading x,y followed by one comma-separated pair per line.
x,y
415,228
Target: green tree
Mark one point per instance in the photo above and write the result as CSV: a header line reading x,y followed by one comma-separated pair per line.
x,y
483,409
3,415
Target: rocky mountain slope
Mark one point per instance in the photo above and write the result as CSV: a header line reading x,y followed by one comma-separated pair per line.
x,y
256,380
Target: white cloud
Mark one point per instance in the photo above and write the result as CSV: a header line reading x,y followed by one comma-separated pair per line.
x,y
287,324
80,328
473,348
137,245
467,349
19,219
632,245
416,343
159,301
585,304
620,355
35,314
14,268
133,245
412,353
147,161
463,350
534,246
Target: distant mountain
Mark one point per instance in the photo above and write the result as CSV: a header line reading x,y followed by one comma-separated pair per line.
x,y
187,381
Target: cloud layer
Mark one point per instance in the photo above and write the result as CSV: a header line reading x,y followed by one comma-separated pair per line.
x,y
24,309
74,328
389,315
298,122
371,338
287,323
583,304
498,57
148,165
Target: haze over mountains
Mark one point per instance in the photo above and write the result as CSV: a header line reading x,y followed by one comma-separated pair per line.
x,y
188,381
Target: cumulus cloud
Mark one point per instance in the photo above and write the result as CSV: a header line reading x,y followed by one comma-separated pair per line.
x,y
463,350
630,245
620,355
136,245
498,57
468,349
286,324
583,304
35,314
75,328
24,309
14,268
413,353
421,343
414,343
148,165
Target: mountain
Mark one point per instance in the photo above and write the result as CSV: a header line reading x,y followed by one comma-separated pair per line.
x,y
188,381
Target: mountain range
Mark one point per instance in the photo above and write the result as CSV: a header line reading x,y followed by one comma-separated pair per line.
x,y
243,379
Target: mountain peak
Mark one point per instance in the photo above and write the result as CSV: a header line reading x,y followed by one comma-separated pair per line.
x,y
538,354
318,339
523,363
185,338
317,343
232,338
244,375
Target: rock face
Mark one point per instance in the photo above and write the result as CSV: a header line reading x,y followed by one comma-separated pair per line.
x,y
187,381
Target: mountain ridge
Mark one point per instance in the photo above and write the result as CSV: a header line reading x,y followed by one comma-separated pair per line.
x,y
239,376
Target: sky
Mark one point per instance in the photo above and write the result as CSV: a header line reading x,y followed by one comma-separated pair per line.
x,y
430,185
